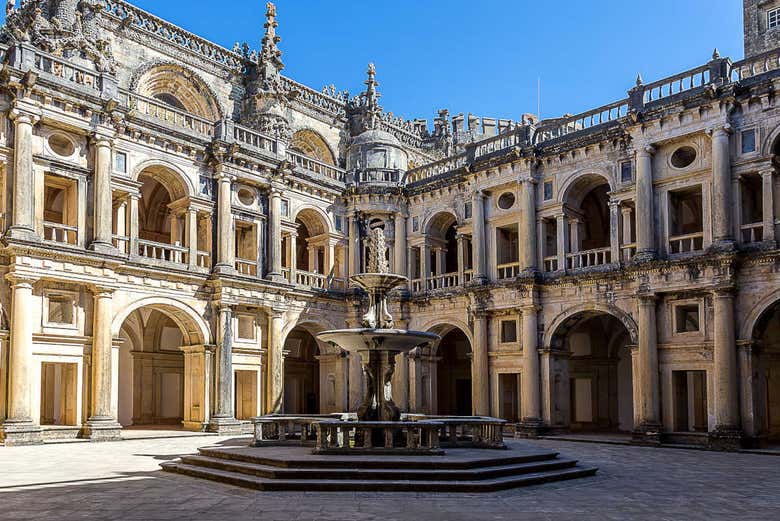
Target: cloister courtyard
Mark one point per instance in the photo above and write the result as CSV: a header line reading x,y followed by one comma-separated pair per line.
x,y
123,480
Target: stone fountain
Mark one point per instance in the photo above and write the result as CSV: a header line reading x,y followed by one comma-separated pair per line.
x,y
378,342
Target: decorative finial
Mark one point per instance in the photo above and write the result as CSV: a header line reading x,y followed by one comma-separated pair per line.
x,y
377,261
639,81
371,97
716,54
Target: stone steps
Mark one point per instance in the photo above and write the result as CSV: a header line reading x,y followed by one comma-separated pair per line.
x,y
299,470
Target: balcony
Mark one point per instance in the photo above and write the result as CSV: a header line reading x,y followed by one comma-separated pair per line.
x,y
246,267
752,233
508,271
172,253
628,252
551,263
445,281
60,233
690,243
588,258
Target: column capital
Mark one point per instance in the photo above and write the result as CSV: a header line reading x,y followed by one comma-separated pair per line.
x,y
645,150
20,280
223,176
724,290
101,138
767,172
647,297
20,115
102,291
720,130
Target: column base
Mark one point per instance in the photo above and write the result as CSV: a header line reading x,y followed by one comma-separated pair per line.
x,y
722,246
478,281
530,428
103,247
21,233
727,439
224,269
21,432
277,277
647,434
225,425
194,426
644,256
102,429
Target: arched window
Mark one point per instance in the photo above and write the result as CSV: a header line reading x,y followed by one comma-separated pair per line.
x,y
311,144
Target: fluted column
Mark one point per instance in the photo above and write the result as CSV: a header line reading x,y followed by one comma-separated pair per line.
x,y
275,379
479,243
480,371
226,261
400,244
275,235
648,429
645,211
768,204
103,201
223,420
727,419
19,428
527,228
102,425
23,217
722,229
531,404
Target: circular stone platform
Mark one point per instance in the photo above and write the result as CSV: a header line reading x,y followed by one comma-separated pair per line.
x,y
460,470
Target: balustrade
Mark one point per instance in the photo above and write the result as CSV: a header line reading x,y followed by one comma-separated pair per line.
x,y
63,69
315,166
246,267
254,139
628,251
163,252
694,78
691,242
589,258
551,263
752,233
60,233
286,429
584,121
121,243
508,271
766,62
168,115
204,260
366,437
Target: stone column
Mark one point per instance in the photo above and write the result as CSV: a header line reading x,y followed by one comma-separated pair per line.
x,y
275,391
645,211
747,367
226,261
614,231
354,245
479,241
722,229
527,228
223,420
198,361
23,217
400,244
768,204
627,239
425,264
103,201
293,241
531,405
727,433
648,430
461,259
19,428
480,370
275,236
562,240
191,236
134,234
102,425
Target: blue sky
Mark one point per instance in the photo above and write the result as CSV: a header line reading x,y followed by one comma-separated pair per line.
x,y
478,56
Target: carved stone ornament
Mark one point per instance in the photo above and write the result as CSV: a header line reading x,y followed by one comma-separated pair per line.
x,y
65,28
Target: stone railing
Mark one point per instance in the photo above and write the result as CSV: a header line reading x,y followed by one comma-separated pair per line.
x,y
315,166
64,70
121,243
684,81
163,252
157,111
131,16
628,251
478,432
281,429
497,143
380,176
312,280
315,99
589,258
748,68
509,270
356,437
434,169
444,281
688,243
586,120
248,137
246,267
60,233
752,233
551,263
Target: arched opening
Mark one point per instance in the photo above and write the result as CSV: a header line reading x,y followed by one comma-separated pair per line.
x,y
179,88
453,374
766,336
311,144
587,201
301,373
443,243
593,384
151,383
312,257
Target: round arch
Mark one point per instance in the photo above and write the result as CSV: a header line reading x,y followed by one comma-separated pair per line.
x,y
166,80
311,144
195,330
440,221
756,313
315,219
574,315
771,143
580,183
170,176
442,327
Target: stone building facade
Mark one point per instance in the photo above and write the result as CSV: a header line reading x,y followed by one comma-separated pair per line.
x,y
180,219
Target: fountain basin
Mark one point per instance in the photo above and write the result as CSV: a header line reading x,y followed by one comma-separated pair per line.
x,y
379,340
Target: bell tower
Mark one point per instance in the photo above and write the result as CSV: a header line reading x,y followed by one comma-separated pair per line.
x,y
762,26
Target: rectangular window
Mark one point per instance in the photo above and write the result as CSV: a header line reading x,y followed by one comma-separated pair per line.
x,y
508,331
60,310
339,223
246,327
626,172
285,208
415,224
748,141
120,162
773,18
467,210
548,190
686,318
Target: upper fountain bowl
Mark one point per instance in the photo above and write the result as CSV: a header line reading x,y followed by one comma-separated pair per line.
x,y
381,283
